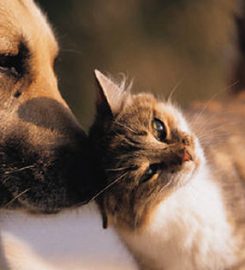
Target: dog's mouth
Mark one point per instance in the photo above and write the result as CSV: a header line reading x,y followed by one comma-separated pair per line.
x,y
44,180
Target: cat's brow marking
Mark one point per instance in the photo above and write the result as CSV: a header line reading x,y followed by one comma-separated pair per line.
x,y
139,133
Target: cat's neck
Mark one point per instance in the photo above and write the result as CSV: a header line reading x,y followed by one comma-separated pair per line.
x,y
186,229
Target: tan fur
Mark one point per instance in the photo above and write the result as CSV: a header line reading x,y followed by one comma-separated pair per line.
x,y
21,20
34,116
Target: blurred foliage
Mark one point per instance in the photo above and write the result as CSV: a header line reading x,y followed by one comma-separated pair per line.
x,y
160,44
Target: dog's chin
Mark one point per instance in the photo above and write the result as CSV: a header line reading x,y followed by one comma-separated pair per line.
x,y
44,180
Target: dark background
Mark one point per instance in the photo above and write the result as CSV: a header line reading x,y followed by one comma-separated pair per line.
x,y
160,44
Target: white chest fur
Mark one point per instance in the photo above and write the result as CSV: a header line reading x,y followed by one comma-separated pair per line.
x,y
189,231
73,240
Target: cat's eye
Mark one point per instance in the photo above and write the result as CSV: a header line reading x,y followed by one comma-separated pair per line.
x,y
149,173
159,129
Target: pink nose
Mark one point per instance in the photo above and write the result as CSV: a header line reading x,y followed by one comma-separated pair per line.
x,y
186,156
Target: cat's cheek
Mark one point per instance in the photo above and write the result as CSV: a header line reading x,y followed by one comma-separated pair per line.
x,y
188,167
187,171
182,124
170,110
200,156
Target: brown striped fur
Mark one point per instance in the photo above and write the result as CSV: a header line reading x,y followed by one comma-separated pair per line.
x,y
125,145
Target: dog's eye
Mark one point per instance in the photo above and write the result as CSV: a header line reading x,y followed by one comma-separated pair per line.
x,y
149,173
11,65
159,129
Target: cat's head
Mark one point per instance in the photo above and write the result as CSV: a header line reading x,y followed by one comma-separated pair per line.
x,y
144,148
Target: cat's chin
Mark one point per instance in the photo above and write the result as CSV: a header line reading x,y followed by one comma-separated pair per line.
x,y
191,167
185,175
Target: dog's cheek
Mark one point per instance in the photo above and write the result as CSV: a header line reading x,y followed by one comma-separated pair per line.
x,y
31,178
43,179
6,198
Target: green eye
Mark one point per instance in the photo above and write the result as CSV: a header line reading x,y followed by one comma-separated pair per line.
x,y
160,129
149,173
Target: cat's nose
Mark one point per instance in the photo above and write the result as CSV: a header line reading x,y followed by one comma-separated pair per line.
x,y
186,156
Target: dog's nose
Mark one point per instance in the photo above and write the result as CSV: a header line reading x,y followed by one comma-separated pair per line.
x,y
48,113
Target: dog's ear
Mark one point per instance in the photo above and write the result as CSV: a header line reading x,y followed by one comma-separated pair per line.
x,y
110,96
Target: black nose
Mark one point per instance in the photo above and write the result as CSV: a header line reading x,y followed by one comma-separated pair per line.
x,y
48,113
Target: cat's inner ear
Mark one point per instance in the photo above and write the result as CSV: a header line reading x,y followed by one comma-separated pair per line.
x,y
110,96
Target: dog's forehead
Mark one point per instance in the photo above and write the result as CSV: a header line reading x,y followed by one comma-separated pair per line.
x,y
22,20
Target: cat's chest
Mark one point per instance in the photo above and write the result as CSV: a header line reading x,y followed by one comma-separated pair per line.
x,y
188,231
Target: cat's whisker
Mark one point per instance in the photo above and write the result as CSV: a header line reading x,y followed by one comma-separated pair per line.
x,y
230,86
206,104
169,182
173,90
124,126
216,136
217,133
118,169
102,191
203,110
197,115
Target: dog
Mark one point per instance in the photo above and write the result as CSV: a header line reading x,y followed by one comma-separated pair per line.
x,y
43,152
45,164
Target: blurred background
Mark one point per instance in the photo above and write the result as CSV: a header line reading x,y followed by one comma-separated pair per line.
x,y
187,45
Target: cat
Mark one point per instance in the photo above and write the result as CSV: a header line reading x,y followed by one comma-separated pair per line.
x,y
175,182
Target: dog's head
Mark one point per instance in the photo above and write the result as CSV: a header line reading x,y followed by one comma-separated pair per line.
x,y
43,151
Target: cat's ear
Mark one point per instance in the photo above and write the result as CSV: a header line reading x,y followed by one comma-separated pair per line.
x,y
110,96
